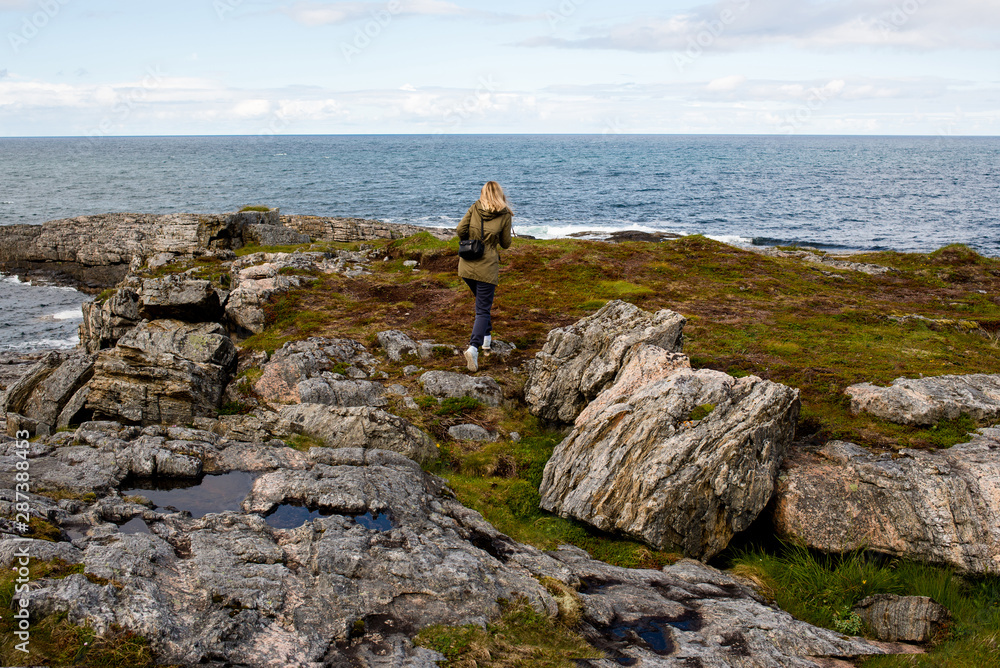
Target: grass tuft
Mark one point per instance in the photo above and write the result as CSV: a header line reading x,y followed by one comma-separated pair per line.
x,y
521,636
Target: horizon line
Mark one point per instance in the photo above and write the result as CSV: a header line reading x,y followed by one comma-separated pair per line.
x,y
497,134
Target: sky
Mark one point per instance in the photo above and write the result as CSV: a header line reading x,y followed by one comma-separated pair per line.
x,y
257,67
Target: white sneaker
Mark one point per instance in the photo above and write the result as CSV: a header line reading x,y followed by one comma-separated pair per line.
x,y
487,343
472,358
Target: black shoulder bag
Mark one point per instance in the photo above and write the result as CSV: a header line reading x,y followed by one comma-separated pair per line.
x,y
473,249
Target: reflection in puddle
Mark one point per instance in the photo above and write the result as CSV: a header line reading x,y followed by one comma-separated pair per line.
x,y
211,494
288,516
377,522
134,525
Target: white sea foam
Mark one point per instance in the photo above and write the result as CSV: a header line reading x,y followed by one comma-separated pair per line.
x,y
43,344
72,314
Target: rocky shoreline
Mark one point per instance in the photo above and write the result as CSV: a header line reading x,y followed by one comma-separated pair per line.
x,y
163,387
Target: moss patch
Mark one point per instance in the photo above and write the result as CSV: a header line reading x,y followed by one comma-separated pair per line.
x,y
520,637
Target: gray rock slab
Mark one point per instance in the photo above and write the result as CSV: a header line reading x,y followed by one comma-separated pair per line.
x,y
925,401
445,384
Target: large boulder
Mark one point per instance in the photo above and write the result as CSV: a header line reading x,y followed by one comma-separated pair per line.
x,y
163,371
179,297
683,463
925,401
356,427
579,361
42,394
940,506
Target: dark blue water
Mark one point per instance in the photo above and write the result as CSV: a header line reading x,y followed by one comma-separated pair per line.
x,y
838,193
852,193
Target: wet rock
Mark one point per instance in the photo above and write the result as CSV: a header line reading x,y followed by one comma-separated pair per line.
x,y
903,618
397,344
939,506
300,361
690,614
640,465
925,401
164,371
42,394
230,588
471,432
357,427
581,360
295,596
179,297
445,384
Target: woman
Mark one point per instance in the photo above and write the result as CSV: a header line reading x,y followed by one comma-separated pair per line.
x,y
488,219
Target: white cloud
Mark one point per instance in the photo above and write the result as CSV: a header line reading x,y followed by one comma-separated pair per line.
x,y
731,82
731,25
728,104
314,13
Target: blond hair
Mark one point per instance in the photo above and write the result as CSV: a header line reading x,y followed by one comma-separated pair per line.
x,y
492,197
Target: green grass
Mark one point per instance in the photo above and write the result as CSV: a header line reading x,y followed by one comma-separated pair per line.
x,y
822,589
55,641
501,481
261,209
781,319
520,637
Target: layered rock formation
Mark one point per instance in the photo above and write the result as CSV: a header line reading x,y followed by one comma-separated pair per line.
x,y
581,360
358,229
51,394
926,401
938,506
637,463
164,371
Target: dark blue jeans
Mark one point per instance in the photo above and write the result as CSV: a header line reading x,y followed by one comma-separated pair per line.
x,y
484,293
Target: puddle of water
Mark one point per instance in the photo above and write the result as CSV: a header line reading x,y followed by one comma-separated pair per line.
x,y
211,494
655,633
289,516
134,525
378,521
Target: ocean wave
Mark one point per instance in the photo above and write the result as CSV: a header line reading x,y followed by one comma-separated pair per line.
x,y
72,314
44,344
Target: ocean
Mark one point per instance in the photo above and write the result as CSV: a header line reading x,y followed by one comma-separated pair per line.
x,y
843,194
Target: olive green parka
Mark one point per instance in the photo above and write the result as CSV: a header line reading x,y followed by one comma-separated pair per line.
x,y
496,226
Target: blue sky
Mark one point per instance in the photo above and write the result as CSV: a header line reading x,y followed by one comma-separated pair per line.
x,y
153,67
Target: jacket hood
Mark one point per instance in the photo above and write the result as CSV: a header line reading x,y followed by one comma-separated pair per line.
x,y
489,215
